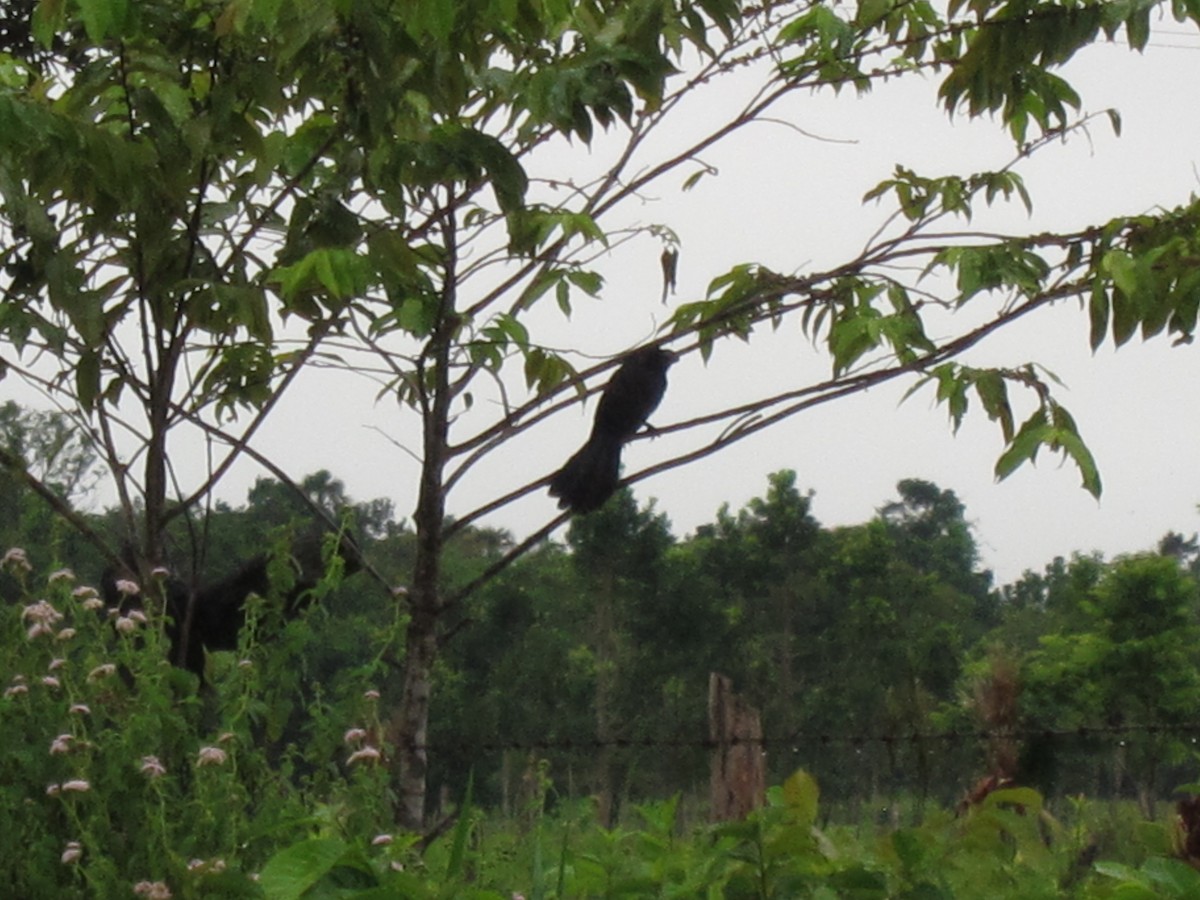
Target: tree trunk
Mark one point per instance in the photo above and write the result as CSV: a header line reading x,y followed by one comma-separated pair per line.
x,y
421,638
412,753
425,598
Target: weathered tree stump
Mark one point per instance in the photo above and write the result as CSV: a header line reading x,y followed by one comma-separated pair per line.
x,y
738,781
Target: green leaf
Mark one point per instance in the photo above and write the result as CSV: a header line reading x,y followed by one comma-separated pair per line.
x,y
1114,118
49,17
102,18
87,380
546,279
1098,315
1068,439
507,176
1053,427
800,795
1137,28
462,830
1124,317
1023,448
295,869
1024,797
588,282
692,180
1173,874
339,271
993,394
871,11
1123,269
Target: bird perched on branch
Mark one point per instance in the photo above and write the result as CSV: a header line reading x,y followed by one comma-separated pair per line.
x,y
591,476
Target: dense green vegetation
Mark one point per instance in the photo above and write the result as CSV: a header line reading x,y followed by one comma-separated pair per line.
x,y
572,708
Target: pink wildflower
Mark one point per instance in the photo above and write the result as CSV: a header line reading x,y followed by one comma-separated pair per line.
x,y
381,840
51,682
80,709
127,587
206,866
77,784
152,890
152,767
41,612
16,690
66,634
72,852
15,560
60,575
125,625
367,753
210,756
57,663
101,671
92,603
354,735
371,694
61,744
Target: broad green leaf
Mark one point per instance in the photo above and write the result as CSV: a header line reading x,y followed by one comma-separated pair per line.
x,y
462,830
871,11
1123,270
800,795
1027,798
292,871
1176,876
1034,432
102,18
993,394
87,380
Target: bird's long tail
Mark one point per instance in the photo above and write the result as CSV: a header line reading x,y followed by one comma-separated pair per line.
x,y
590,476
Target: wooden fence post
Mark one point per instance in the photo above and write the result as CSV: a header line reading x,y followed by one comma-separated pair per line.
x,y
738,783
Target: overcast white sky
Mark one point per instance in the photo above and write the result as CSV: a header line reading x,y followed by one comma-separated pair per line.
x,y
794,203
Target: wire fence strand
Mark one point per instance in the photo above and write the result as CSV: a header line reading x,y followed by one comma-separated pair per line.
x,y
803,738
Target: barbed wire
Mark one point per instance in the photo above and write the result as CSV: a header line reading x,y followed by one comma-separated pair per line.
x,y
801,738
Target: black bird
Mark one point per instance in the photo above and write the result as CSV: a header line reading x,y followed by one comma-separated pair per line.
x,y
218,609
591,476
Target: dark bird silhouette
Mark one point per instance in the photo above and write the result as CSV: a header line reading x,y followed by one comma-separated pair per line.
x,y
210,616
591,476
